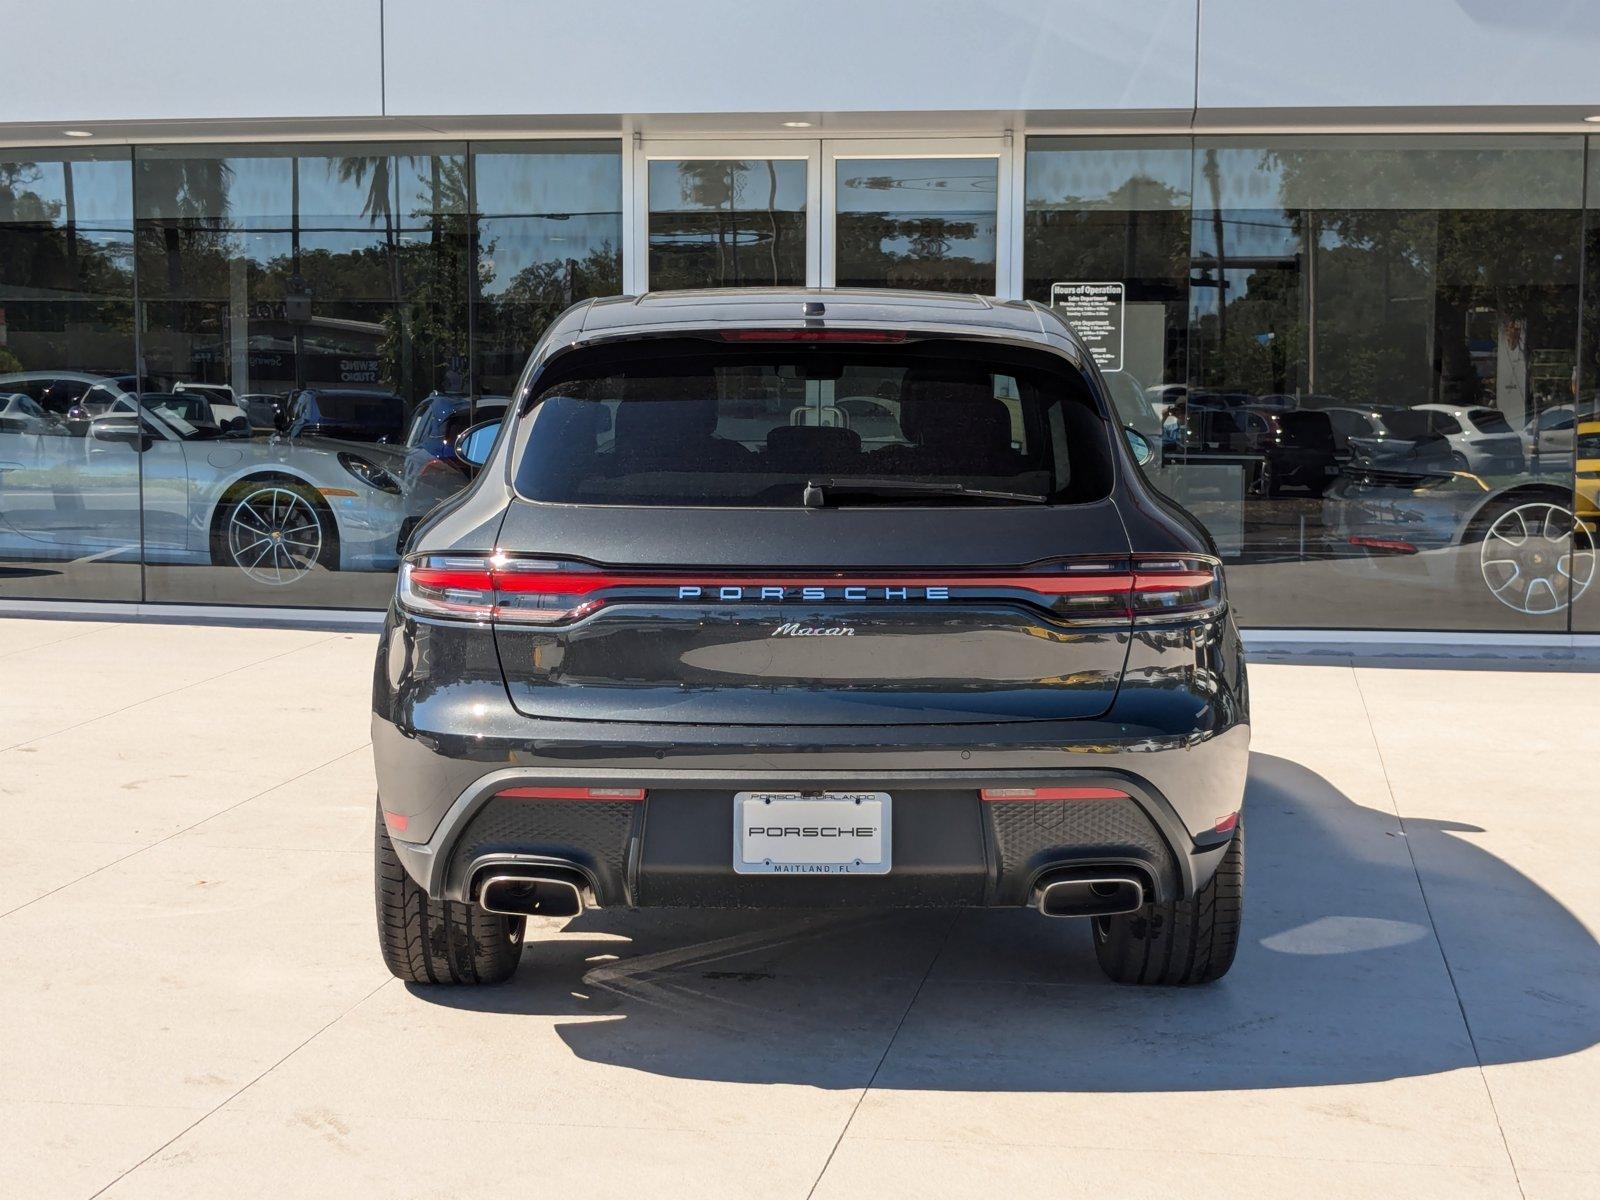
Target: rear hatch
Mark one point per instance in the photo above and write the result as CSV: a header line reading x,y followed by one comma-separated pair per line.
x,y
777,640
816,532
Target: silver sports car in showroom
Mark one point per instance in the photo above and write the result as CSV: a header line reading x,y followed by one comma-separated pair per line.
x,y
157,470
1421,518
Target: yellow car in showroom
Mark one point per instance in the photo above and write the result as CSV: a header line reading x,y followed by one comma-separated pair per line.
x,y
1586,476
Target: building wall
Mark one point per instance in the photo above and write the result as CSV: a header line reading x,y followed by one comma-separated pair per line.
x,y
1378,53
414,58
1373,211
172,59
707,56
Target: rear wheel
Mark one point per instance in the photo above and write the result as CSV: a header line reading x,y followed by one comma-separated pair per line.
x,y
274,530
1531,554
1181,943
438,941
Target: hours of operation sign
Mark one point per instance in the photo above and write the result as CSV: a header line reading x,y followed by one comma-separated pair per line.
x,y
1095,311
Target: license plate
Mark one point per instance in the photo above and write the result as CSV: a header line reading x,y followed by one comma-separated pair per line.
x,y
820,833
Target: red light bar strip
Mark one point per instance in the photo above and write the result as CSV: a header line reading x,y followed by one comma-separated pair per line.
x,y
813,335
572,793
581,583
1009,795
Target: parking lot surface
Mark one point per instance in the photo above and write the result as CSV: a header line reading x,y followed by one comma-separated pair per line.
x,y
193,1002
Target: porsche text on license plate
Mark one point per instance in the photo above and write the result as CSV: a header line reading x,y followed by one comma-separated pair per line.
x,y
817,833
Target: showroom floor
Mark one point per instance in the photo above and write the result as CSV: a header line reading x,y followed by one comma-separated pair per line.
x,y
192,1004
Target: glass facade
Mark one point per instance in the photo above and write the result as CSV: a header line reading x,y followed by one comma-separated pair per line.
x,y
727,223
1360,355
69,501
235,374
924,223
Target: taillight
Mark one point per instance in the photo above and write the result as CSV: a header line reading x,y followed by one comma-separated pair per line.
x,y
1170,588
535,591
1150,590
495,588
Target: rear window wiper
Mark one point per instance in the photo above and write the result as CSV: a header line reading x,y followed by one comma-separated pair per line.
x,y
818,493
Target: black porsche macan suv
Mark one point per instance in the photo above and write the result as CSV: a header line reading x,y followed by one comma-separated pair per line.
x,y
809,598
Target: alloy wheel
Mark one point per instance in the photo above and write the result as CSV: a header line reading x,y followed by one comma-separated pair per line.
x,y
274,535
1535,558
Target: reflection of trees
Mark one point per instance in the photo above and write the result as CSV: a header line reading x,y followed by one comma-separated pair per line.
x,y
1378,304
62,275
426,325
868,256
377,173
187,195
399,294
718,186
746,246
1137,233
538,293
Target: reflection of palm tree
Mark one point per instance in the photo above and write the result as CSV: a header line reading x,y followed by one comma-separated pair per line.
x,y
377,173
70,199
716,185
1214,180
185,191
772,215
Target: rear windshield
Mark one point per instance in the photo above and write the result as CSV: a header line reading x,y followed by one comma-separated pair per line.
x,y
706,423
1406,423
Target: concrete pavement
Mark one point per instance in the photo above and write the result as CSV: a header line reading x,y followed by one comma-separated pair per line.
x,y
193,1003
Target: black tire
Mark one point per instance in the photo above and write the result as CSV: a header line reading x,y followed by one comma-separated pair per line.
x,y
1182,943
438,941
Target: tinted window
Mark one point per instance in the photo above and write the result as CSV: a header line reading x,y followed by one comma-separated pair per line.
x,y
1350,424
1405,423
681,425
374,416
1307,428
1491,420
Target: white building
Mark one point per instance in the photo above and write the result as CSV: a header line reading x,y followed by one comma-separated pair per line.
x,y
1337,229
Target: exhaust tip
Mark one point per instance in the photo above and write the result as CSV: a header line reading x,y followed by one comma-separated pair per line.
x,y
1102,894
542,894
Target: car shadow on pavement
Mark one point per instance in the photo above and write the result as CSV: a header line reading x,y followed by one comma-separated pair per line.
x,y
1339,979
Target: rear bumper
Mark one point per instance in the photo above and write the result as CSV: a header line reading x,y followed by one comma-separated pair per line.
x,y
949,847
1175,742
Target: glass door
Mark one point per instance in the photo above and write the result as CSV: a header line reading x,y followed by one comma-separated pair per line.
x,y
929,215
726,214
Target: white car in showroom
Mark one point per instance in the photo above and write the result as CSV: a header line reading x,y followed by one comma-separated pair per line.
x,y
158,467
1481,439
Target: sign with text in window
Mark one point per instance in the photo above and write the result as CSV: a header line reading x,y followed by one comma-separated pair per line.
x,y
1095,311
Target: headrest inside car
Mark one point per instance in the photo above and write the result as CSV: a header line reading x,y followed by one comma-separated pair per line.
x,y
801,445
